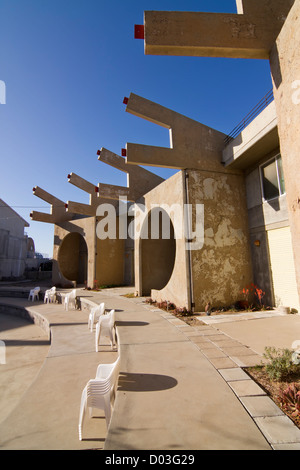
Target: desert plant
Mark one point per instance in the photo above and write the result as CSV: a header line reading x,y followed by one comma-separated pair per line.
x,y
245,292
259,293
254,290
279,364
290,399
182,311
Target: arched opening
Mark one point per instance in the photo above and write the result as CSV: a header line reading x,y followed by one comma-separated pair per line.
x,y
158,248
72,258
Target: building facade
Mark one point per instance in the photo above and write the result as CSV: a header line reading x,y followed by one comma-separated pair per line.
x,y
244,187
13,243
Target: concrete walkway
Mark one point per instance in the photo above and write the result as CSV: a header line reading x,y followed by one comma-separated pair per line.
x,y
180,387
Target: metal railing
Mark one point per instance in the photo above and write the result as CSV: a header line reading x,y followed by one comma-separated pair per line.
x,y
263,103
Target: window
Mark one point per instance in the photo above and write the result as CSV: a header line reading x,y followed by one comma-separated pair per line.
x,y
272,179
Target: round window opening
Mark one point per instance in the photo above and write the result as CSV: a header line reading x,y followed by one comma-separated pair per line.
x,y
158,249
72,258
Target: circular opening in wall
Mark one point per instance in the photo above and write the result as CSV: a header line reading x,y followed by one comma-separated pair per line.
x,y
72,258
158,249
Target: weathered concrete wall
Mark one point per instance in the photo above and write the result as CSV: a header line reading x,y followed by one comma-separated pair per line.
x,y
110,260
158,255
105,258
285,67
222,267
84,226
169,193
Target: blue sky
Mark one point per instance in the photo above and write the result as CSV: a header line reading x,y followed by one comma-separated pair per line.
x,y
68,64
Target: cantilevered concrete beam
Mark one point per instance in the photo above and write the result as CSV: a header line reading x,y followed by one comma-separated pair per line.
x,y
192,144
250,33
139,180
58,212
80,208
95,197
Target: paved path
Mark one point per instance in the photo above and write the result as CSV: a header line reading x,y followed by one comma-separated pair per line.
x,y
180,387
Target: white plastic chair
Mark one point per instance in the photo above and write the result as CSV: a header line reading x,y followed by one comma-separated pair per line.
x,y
106,326
34,294
99,310
70,299
50,295
100,392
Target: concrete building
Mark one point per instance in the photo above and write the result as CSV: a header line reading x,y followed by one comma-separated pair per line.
x,y
13,243
80,254
242,189
268,30
246,232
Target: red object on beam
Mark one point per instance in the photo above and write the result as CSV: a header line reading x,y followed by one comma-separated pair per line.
x,y
69,176
66,206
96,189
125,100
33,189
98,152
123,152
139,31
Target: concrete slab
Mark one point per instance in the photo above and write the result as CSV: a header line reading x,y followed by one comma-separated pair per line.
x,y
234,374
261,406
244,388
279,429
237,351
212,353
170,395
223,363
26,347
279,331
226,343
203,343
291,446
247,361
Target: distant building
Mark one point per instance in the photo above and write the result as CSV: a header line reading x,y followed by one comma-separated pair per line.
x,y
13,243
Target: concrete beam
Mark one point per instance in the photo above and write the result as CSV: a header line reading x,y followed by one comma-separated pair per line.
x,y
81,183
192,144
80,208
91,189
58,212
139,180
250,33
42,217
111,191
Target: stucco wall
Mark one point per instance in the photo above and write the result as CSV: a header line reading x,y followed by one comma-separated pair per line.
x,y
285,67
105,258
86,227
176,290
223,266
110,261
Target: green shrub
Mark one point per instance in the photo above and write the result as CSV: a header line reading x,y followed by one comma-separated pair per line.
x,y
279,364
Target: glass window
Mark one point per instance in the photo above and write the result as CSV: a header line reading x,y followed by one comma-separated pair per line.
x,y
280,176
272,179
